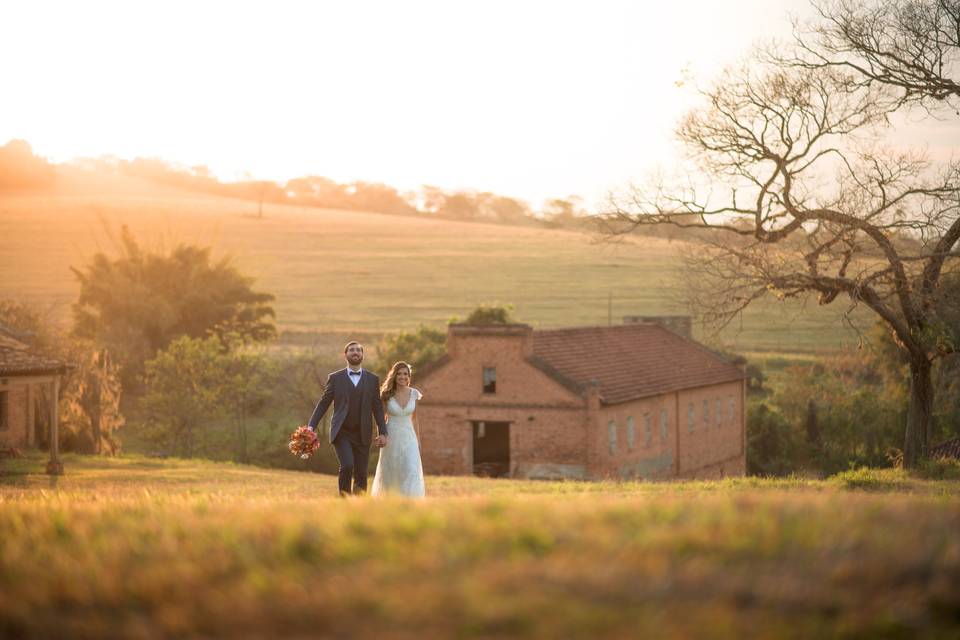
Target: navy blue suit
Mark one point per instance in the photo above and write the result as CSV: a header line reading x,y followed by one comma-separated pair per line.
x,y
355,409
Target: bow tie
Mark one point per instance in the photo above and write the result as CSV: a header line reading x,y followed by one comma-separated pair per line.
x,y
355,373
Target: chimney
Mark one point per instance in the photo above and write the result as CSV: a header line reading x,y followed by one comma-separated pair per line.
x,y
681,325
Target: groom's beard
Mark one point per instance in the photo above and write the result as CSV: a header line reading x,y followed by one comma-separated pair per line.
x,y
355,360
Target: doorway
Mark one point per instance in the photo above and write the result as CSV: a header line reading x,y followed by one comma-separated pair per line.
x,y
491,449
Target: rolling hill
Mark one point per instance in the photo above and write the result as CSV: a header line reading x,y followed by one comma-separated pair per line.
x,y
340,271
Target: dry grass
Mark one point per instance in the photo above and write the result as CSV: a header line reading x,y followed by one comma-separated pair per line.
x,y
146,548
336,271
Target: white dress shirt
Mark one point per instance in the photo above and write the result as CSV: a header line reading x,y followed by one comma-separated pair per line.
x,y
355,379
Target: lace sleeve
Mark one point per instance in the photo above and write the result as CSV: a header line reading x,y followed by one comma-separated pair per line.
x,y
416,394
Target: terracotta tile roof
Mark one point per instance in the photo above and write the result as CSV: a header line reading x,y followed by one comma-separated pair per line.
x,y
631,361
16,358
947,449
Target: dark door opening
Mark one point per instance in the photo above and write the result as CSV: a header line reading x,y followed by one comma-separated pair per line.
x,y
491,449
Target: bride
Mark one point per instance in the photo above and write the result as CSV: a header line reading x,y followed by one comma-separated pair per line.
x,y
399,470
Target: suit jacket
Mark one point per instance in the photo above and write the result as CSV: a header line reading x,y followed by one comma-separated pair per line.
x,y
337,391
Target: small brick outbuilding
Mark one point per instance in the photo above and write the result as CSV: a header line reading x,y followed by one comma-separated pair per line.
x,y
630,401
23,372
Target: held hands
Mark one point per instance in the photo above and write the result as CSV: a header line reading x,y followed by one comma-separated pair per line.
x,y
380,441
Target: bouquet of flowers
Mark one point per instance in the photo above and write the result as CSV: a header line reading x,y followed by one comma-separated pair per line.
x,y
303,442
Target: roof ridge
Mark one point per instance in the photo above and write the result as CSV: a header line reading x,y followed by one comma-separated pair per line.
x,y
630,327
642,359
655,326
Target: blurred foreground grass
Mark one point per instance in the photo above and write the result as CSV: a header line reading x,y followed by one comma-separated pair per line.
x,y
135,547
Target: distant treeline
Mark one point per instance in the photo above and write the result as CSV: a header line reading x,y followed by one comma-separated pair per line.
x,y
318,191
20,169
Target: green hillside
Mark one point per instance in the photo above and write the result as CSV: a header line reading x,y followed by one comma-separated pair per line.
x,y
134,547
335,271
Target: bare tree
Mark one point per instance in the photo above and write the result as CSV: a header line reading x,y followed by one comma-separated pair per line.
x,y
910,46
799,199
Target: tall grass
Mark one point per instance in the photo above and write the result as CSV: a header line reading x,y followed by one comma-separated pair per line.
x,y
145,548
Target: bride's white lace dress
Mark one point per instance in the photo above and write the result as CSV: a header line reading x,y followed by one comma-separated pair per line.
x,y
399,471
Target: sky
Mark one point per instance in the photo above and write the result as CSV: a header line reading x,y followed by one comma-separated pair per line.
x,y
524,98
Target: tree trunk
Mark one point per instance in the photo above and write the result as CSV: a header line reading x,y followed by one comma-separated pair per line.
x,y
917,437
810,424
188,432
242,430
95,413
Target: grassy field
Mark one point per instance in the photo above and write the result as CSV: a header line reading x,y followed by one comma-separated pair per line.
x,y
336,271
142,548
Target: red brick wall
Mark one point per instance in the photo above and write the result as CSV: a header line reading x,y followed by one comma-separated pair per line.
x,y
648,459
555,432
446,439
15,435
550,445
712,449
518,382
553,441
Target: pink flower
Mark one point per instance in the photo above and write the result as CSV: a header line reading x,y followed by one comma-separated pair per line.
x,y
303,442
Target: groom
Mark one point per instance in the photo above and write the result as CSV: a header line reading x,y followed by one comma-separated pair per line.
x,y
355,394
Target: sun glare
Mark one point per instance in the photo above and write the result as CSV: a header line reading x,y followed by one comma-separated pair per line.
x,y
532,100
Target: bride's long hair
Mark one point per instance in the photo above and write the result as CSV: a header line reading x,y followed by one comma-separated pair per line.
x,y
389,386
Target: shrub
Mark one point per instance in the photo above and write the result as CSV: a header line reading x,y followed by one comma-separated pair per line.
x,y
867,479
491,314
773,446
939,469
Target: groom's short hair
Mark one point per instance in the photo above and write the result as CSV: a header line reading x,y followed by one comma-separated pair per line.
x,y
350,344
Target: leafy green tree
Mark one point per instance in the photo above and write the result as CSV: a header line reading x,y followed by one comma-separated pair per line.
x,y
564,212
184,390
432,199
136,303
245,391
201,397
495,313
507,210
20,169
459,206
842,410
945,376
773,447
370,196
318,190
418,348
299,378
811,425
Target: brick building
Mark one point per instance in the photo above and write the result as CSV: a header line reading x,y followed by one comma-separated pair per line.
x,y
629,401
23,373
